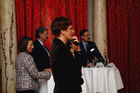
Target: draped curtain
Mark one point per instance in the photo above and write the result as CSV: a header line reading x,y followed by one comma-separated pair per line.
x,y
123,41
30,14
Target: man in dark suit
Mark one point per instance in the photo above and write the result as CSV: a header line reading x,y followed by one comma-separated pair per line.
x,y
89,48
40,52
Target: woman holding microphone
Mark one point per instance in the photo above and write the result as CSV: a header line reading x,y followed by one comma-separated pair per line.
x,y
65,57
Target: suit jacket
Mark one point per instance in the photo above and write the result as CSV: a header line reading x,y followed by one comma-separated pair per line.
x,y
40,56
66,68
93,52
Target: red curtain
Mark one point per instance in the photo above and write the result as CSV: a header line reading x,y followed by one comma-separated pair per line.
x,y
124,42
30,14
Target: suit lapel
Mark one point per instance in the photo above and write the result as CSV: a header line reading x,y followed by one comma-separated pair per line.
x,y
41,47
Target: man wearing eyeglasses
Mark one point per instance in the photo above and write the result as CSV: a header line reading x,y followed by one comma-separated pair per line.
x,y
41,54
89,49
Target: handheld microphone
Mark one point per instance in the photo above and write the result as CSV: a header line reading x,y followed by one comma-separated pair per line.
x,y
75,42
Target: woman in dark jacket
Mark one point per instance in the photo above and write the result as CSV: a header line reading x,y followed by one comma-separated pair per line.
x,y
65,57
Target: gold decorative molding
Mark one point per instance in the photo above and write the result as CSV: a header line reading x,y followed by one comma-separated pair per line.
x,y
8,47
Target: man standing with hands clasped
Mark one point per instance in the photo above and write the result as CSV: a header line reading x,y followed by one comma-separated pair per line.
x,y
41,54
90,50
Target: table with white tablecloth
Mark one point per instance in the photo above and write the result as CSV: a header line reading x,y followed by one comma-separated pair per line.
x,y
96,80
101,80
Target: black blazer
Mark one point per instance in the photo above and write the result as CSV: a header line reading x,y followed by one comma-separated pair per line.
x,y
66,68
94,52
40,56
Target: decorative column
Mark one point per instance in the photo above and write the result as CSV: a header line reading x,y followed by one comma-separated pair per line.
x,y
100,25
8,46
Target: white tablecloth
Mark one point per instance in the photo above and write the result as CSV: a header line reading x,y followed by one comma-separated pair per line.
x,y
47,86
101,80
96,80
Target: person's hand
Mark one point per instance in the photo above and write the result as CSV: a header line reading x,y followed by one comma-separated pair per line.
x,y
48,70
75,38
90,65
75,47
72,51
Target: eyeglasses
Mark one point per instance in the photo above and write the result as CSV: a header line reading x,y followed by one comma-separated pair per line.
x,y
71,29
87,35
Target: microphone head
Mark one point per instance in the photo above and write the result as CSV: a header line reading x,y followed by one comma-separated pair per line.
x,y
76,43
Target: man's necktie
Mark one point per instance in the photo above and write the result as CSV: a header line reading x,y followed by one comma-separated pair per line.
x,y
88,52
87,48
46,49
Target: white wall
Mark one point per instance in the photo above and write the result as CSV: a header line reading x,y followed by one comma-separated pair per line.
x,y
90,18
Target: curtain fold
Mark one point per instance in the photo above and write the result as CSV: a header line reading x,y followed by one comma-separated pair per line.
x,y
30,14
123,41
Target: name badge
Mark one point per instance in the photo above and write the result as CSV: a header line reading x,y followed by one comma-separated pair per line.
x,y
91,50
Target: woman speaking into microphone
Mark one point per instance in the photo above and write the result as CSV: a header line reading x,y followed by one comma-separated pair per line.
x,y
65,57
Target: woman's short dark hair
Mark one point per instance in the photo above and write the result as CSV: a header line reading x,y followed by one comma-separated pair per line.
x,y
60,23
22,44
39,30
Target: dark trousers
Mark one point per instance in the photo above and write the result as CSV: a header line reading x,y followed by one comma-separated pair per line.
x,y
26,91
